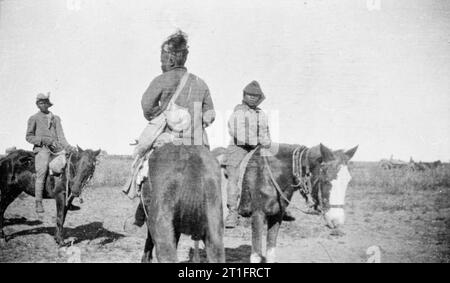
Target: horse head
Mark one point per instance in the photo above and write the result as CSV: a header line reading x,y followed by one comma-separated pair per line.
x,y
330,178
82,164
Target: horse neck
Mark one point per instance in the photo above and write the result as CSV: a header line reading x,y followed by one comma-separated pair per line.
x,y
284,172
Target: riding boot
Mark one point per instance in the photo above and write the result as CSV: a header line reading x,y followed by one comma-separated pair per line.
x,y
139,216
131,224
288,216
73,207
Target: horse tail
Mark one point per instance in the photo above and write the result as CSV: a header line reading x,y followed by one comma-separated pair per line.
x,y
190,209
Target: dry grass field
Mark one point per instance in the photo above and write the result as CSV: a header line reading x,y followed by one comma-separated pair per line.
x,y
406,215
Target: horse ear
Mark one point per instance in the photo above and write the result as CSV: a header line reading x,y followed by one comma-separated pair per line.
x,y
97,152
320,153
352,152
79,148
326,153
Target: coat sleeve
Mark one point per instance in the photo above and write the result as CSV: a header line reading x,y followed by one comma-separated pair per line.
x,y
209,114
150,100
237,126
60,133
263,130
31,133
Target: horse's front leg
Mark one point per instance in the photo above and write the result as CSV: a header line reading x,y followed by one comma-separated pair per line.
x,y
258,218
148,257
273,226
61,211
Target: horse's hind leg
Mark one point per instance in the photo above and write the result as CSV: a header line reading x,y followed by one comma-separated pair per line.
x,y
273,226
213,240
148,250
7,197
165,240
257,233
215,251
61,211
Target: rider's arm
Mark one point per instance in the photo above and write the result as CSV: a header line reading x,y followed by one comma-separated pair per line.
x,y
150,100
263,131
60,134
209,114
237,127
31,133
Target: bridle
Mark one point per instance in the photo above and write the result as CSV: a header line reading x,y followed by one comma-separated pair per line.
x,y
69,196
303,181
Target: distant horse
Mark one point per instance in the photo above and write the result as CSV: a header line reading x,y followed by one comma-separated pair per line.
x,y
17,175
182,195
271,180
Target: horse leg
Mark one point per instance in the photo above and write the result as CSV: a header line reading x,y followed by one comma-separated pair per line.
x,y
148,257
165,240
61,212
7,197
257,233
273,226
215,251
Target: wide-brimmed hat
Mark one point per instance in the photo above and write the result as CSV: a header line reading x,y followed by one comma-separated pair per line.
x,y
43,97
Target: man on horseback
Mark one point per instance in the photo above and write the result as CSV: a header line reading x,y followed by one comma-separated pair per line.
x,y
46,134
182,100
248,127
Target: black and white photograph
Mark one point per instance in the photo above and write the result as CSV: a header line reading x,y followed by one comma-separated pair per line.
x,y
237,132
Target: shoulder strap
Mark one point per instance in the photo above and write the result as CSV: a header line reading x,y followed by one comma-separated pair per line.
x,y
179,88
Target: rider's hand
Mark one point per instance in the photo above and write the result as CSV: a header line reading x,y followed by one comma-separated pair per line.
x,y
48,141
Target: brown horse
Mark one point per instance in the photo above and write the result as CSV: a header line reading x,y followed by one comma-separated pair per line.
x,y
182,195
270,181
17,175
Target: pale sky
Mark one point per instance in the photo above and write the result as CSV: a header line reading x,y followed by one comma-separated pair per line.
x,y
334,72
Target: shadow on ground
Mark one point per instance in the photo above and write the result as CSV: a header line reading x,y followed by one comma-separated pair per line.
x,y
89,232
240,254
21,221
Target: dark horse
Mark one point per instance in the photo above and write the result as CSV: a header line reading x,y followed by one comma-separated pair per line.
x,y
182,195
17,175
272,178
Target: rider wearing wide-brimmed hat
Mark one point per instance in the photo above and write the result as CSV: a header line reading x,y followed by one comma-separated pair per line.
x,y
46,134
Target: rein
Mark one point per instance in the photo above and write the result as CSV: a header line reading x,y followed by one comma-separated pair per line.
x,y
68,166
304,183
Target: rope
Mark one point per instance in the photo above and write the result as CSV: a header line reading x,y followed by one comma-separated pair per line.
x,y
277,187
69,164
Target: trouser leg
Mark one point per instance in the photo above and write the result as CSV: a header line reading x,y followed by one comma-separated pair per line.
x,y
41,165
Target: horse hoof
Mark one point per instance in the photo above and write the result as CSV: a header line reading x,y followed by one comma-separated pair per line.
x,y
146,258
61,243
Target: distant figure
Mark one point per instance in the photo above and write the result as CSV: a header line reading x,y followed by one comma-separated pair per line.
x,y
46,134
